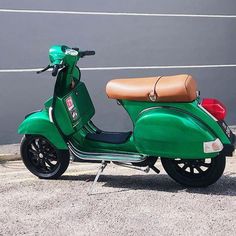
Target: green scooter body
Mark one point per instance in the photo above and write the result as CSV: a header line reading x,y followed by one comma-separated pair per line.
x,y
38,123
160,129
174,130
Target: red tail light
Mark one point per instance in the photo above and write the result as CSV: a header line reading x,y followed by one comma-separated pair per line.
x,y
215,107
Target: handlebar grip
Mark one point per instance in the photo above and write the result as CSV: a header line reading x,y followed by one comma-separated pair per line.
x,y
86,53
55,70
89,53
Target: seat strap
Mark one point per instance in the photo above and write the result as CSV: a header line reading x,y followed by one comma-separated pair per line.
x,y
153,94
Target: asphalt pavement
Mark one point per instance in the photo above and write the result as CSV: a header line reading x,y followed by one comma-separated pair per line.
x,y
124,202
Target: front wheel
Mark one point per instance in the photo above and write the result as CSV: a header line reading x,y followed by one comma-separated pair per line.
x,y
195,173
42,159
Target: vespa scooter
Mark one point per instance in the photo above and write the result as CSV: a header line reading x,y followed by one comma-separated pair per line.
x,y
169,119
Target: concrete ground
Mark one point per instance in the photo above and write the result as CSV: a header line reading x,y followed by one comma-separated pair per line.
x,y
9,152
124,202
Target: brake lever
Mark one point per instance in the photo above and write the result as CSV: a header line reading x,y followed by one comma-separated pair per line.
x,y
44,69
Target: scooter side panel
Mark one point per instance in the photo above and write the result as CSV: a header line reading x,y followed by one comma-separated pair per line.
x,y
39,124
171,133
134,108
74,110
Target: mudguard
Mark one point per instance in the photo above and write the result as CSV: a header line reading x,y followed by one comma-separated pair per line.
x,y
39,123
171,133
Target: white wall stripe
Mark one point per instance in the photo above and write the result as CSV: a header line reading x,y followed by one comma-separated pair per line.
x,y
117,13
126,68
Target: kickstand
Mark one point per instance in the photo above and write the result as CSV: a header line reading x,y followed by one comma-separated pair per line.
x,y
155,169
100,170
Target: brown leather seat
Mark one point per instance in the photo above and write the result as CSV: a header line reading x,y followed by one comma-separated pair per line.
x,y
177,88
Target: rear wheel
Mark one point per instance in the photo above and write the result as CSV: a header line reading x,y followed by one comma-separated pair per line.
x,y
42,159
195,173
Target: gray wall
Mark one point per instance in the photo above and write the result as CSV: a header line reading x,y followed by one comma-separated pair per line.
x,y
118,41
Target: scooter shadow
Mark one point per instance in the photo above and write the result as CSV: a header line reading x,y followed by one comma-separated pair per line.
x,y
226,185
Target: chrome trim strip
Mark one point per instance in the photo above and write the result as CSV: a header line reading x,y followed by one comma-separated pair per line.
x,y
126,157
178,109
208,113
149,109
50,114
183,111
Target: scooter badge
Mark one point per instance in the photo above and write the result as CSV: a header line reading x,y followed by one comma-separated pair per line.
x,y
69,103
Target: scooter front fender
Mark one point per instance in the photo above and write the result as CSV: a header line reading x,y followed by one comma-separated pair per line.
x,y
39,123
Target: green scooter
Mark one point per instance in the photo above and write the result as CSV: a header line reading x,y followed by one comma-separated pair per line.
x,y
169,121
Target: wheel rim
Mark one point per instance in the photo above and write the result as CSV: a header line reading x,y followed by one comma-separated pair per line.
x,y
193,168
42,155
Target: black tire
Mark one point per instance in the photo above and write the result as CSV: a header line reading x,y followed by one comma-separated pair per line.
x,y
42,159
195,173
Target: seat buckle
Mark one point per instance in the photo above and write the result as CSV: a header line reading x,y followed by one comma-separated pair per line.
x,y
152,96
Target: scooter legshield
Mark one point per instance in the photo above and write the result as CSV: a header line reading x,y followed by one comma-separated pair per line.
x,y
172,133
39,123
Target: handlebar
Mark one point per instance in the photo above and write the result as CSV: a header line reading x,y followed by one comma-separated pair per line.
x,y
56,67
55,70
44,69
84,53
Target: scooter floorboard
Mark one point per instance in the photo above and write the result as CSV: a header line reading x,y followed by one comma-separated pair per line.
x,y
109,137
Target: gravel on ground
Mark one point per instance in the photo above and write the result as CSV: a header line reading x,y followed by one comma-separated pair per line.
x,y
124,202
